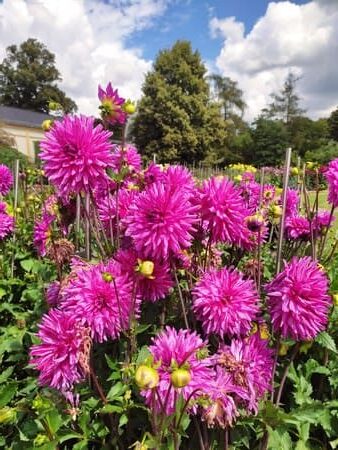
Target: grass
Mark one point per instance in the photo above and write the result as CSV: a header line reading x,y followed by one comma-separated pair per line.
x,y
323,204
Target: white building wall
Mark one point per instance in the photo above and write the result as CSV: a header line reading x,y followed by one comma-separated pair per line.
x,y
24,138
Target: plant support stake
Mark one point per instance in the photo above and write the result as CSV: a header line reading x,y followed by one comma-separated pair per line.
x,y
284,199
16,197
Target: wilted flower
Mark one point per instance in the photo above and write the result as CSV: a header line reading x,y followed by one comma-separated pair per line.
x,y
225,302
62,356
298,300
111,105
6,179
161,221
173,350
75,155
60,251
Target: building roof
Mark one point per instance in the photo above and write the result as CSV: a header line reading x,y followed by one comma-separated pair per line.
x,y
22,117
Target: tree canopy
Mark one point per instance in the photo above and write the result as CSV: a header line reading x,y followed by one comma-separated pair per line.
x,y
176,119
28,78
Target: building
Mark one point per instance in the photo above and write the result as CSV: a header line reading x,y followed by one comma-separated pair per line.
x,y
25,128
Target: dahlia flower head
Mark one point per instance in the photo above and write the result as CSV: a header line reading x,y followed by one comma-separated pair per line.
x,y
161,221
225,302
249,362
6,179
250,191
322,220
292,202
126,157
171,350
75,155
102,298
6,221
111,105
331,175
62,355
152,278
179,178
223,211
153,173
42,233
297,227
52,293
298,300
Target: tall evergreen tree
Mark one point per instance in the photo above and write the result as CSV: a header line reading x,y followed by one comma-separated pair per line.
x,y
285,104
175,119
28,78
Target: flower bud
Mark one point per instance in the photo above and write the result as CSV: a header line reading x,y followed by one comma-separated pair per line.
x,y
255,222
283,349
276,211
7,415
310,165
146,377
238,178
335,299
180,378
106,276
146,268
40,439
47,125
294,171
129,107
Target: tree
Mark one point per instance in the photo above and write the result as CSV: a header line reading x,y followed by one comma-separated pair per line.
x,y
333,124
175,119
285,105
227,93
28,78
269,141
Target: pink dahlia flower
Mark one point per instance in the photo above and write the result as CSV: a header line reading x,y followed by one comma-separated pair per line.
x,y
53,293
331,175
102,299
298,300
297,227
127,157
151,277
75,155
153,173
250,191
223,211
250,362
6,179
42,233
292,202
6,225
225,302
173,349
63,354
179,177
111,105
322,221
161,221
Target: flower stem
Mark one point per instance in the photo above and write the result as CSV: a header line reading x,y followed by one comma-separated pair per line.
x,y
286,371
181,299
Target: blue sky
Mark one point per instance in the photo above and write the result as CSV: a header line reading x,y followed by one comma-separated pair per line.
x,y
254,42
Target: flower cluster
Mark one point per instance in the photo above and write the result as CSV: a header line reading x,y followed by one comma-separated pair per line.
x,y
6,179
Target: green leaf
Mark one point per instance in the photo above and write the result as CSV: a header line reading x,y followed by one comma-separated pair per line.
x,y
279,439
108,409
68,436
116,390
326,341
143,354
2,292
123,420
7,392
6,374
27,264
54,420
301,445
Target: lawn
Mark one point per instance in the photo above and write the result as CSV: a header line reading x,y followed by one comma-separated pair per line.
x,y
323,204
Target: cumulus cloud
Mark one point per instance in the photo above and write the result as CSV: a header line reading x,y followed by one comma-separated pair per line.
x,y
88,38
301,38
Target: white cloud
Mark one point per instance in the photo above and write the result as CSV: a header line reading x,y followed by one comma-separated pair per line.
x,y
301,38
88,39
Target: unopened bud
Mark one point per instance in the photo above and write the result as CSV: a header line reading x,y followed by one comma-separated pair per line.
x,y
294,171
180,378
335,299
146,377
129,107
255,222
7,415
276,211
146,268
283,349
47,125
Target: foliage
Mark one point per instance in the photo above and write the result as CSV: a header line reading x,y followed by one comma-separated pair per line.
x,y
8,155
333,124
28,78
175,119
323,154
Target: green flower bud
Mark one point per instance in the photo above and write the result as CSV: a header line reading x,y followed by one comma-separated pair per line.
x,y
7,415
180,378
146,377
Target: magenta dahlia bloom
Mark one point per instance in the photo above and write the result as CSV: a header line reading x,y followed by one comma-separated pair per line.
x,y
6,225
102,298
331,175
127,157
292,202
75,155
250,191
298,300
111,105
297,227
63,354
6,179
250,362
42,233
223,211
151,277
172,350
161,221
179,177
53,293
225,302
153,173
321,221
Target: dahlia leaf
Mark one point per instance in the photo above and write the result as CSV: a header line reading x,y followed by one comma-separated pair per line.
x,y
326,341
7,392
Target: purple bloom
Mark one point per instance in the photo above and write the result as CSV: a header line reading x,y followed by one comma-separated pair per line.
x,y
332,178
6,221
63,354
292,203
76,154
126,157
225,302
111,105
172,350
6,179
153,173
321,221
102,298
298,300
42,233
179,177
297,227
53,293
161,221
223,211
